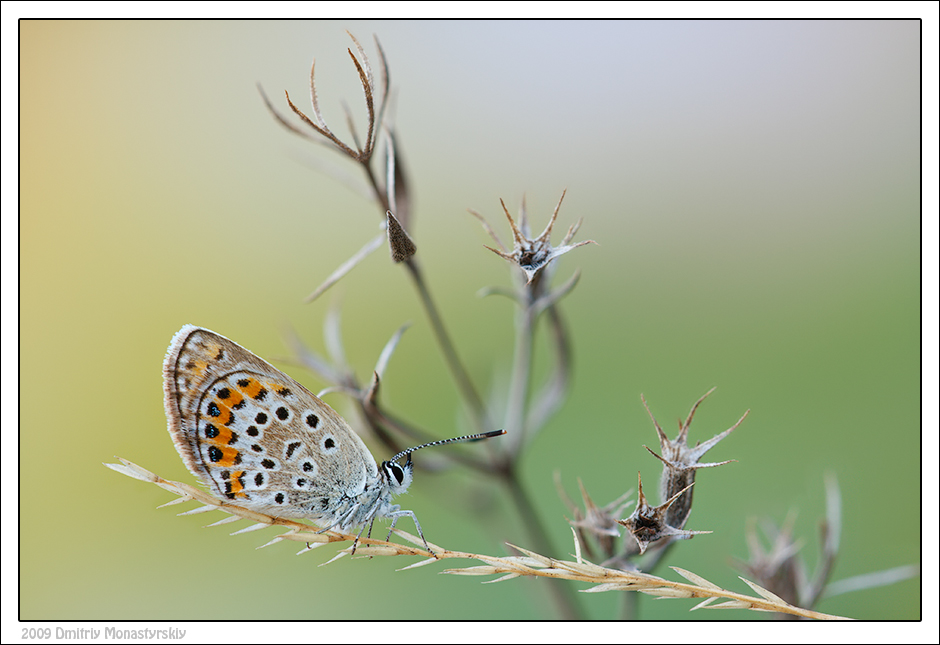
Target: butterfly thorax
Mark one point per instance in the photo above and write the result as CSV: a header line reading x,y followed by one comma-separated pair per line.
x,y
374,501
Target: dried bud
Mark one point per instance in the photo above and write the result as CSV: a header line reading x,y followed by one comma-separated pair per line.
x,y
779,569
782,569
648,524
600,522
681,461
532,255
399,243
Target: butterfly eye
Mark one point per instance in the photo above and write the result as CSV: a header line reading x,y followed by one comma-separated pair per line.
x,y
396,471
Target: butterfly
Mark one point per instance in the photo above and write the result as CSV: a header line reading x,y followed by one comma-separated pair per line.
x,y
260,440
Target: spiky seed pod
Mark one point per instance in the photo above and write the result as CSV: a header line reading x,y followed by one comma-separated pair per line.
x,y
530,254
680,461
780,568
647,524
599,521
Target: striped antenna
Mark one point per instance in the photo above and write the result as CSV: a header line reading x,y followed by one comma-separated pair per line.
x,y
469,437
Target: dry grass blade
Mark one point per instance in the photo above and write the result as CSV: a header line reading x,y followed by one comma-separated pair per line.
x,y
253,527
223,521
696,579
610,586
732,604
529,564
420,563
197,511
705,603
508,576
306,536
133,470
763,592
667,592
577,545
474,571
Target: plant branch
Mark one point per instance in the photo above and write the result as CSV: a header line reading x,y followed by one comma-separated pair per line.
x,y
468,392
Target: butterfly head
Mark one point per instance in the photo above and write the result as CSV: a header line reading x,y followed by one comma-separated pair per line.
x,y
398,476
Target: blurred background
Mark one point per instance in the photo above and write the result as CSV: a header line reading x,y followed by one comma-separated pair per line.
x,y
754,190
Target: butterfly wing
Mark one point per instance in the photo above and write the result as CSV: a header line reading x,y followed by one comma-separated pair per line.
x,y
255,436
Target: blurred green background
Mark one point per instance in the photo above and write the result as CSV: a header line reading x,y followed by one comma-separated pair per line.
x,y
754,190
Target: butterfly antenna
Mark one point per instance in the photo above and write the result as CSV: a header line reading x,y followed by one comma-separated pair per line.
x,y
469,437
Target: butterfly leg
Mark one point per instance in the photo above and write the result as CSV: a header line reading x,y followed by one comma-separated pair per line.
x,y
368,535
398,514
358,535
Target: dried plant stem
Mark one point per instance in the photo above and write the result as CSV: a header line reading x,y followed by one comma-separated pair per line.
x,y
384,198
517,429
516,426
515,422
470,396
530,564
553,394
562,595
524,417
629,607
381,420
381,195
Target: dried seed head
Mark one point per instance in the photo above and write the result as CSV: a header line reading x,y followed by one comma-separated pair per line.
x,y
780,568
361,152
680,461
533,254
648,523
600,522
